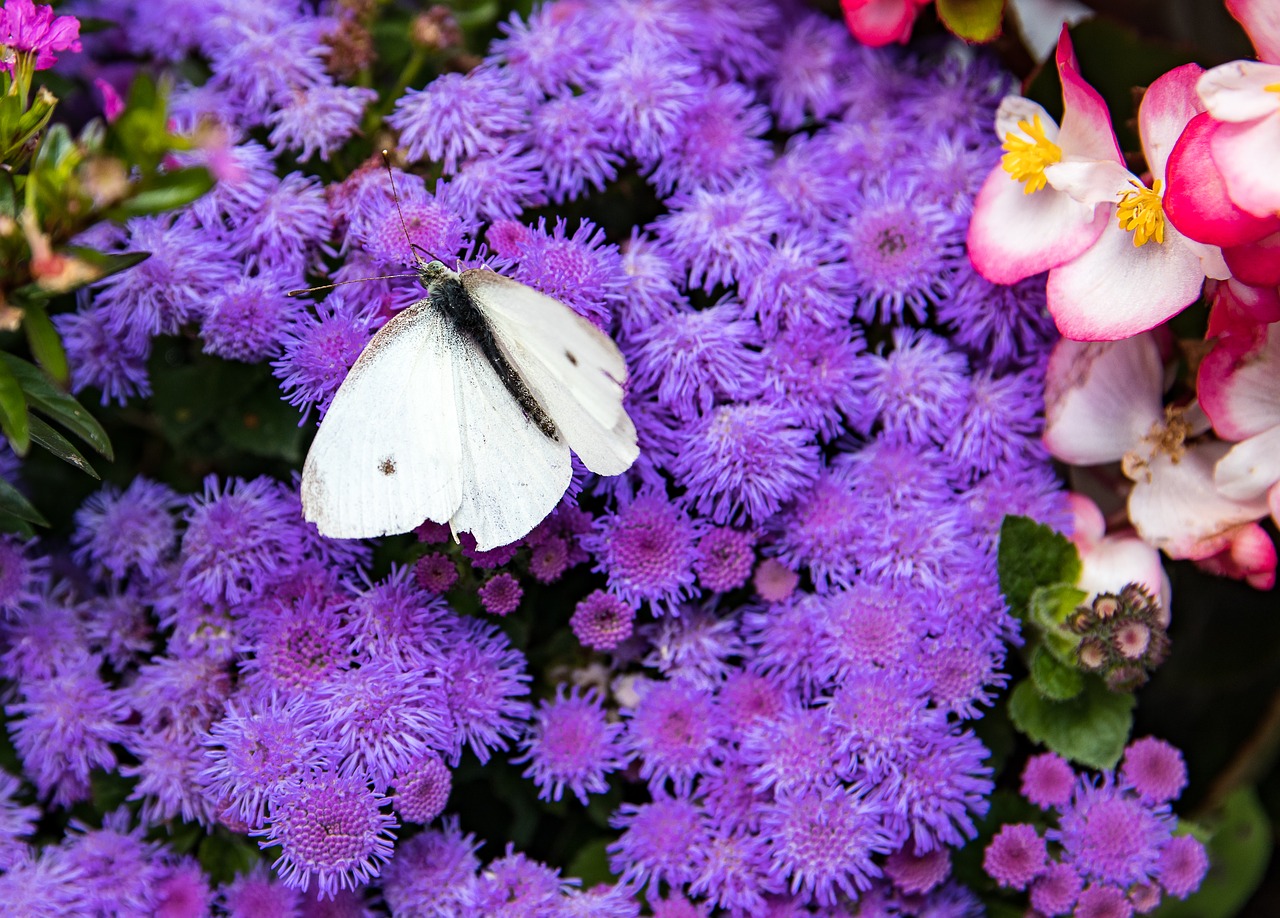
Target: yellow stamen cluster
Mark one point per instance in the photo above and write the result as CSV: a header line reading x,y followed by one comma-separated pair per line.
x,y
1025,160
1141,212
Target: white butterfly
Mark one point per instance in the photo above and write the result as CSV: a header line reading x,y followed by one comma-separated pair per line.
x,y
462,409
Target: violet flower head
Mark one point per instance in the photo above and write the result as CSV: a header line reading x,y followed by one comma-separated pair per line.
x,y
500,594
791,753
1154,769
601,620
167,786
674,732
430,872
725,558
319,119
580,270
721,237
647,94
913,874
460,115
45,883
184,891
422,790
258,894
1003,327
1183,865
127,532
121,870
718,141
118,369
579,153
1016,856
485,683
647,550
818,375
1056,890
820,531
811,65
23,576
735,872
571,744
1111,836
285,230
920,390
658,841
263,60
698,645
34,31
319,350
557,48
247,320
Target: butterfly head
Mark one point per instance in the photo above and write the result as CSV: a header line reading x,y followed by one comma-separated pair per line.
x,y
432,272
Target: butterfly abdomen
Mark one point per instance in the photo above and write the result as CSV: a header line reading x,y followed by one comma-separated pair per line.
x,y
455,303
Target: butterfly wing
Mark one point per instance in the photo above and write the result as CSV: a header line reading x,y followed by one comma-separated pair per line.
x,y
512,474
573,369
388,452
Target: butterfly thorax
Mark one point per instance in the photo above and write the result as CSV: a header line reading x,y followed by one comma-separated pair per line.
x,y
431,273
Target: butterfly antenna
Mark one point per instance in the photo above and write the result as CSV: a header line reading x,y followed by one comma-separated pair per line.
x,y
354,280
413,246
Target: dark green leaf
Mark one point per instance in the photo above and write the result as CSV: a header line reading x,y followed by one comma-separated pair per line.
x,y
1090,729
591,864
8,195
59,445
163,191
972,20
264,424
225,856
45,344
1033,555
49,400
1054,679
107,264
1050,608
14,504
1239,852
13,412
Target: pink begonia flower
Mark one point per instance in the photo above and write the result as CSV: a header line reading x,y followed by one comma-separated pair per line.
x,y
1110,562
881,22
1020,225
1236,307
30,29
1103,403
1246,96
1141,271
1256,263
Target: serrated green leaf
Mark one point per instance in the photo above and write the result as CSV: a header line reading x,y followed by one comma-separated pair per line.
x,y
45,343
972,20
14,417
1091,728
58,406
1052,678
59,445
162,192
1053,605
14,504
1033,555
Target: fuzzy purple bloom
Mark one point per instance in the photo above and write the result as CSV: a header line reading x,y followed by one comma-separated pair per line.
x,y
602,621
422,790
647,550
571,744
460,115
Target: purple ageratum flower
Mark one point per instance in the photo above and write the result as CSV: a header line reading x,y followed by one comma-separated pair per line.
x,y
731,802
458,116
658,842
33,31
920,390
286,228
675,732
100,359
23,578
158,296
435,572
792,752
602,621
258,894
1111,836
791,642
1154,769
330,828
817,374
646,94
721,237
939,789
963,669
16,821
498,186
743,462
914,874
653,292
557,49
430,871
167,786
957,94
1032,489
696,646
548,558
120,869
581,270
296,649
718,142
1103,901
692,360
603,901
514,886
318,119
578,152
999,423
1003,327
184,891
1182,866
823,841
430,221
949,171
734,872
814,183
882,720
393,620
647,550
262,60
174,693
484,680
318,352
248,319
239,533
422,789
246,177
901,252
725,558
1056,890
259,746
747,697
1016,856
819,532
46,638
811,65
63,727
1048,781
119,533
44,883
571,744
500,594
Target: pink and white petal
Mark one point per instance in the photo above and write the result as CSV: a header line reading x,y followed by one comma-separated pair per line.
x,y
1251,468
1273,504
1246,156
1040,22
1166,107
1239,308
1086,124
1092,182
1116,289
1179,510
1013,109
1101,399
1239,383
1247,553
880,22
1195,196
1261,19
1256,263
1088,523
1117,561
1237,91
1013,235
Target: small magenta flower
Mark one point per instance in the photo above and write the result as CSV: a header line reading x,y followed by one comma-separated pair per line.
x,y
647,550
1048,781
725,558
1183,865
501,594
423,789
1016,856
602,621
435,572
571,744
34,31
1056,890
1154,769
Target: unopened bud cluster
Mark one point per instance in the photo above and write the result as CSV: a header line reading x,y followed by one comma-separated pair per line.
x,y
1122,636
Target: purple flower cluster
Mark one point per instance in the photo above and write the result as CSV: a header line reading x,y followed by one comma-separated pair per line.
x,y
1110,846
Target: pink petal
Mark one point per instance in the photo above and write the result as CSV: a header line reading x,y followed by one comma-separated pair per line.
x,y
1014,235
1238,91
1238,307
1247,553
1246,156
1116,289
1180,511
1101,399
1195,197
1251,467
1014,109
1089,525
1256,263
1169,103
1261,19
1120,560
1093,182
1238,383
880,22
1086,124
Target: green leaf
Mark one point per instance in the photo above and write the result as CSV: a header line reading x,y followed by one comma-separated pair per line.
x,y
591,864
107,264
1050,608
1091,728
59,445
13,412
8,195
225,856
264,424
1239,852
45,343
14,504
1032,555
163,191
1054,679
49,400
972,20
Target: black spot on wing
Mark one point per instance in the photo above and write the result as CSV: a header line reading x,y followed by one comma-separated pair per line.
x,y
387,466
573,360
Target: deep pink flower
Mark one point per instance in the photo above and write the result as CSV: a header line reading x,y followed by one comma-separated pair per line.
x,y
31,29
881,22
